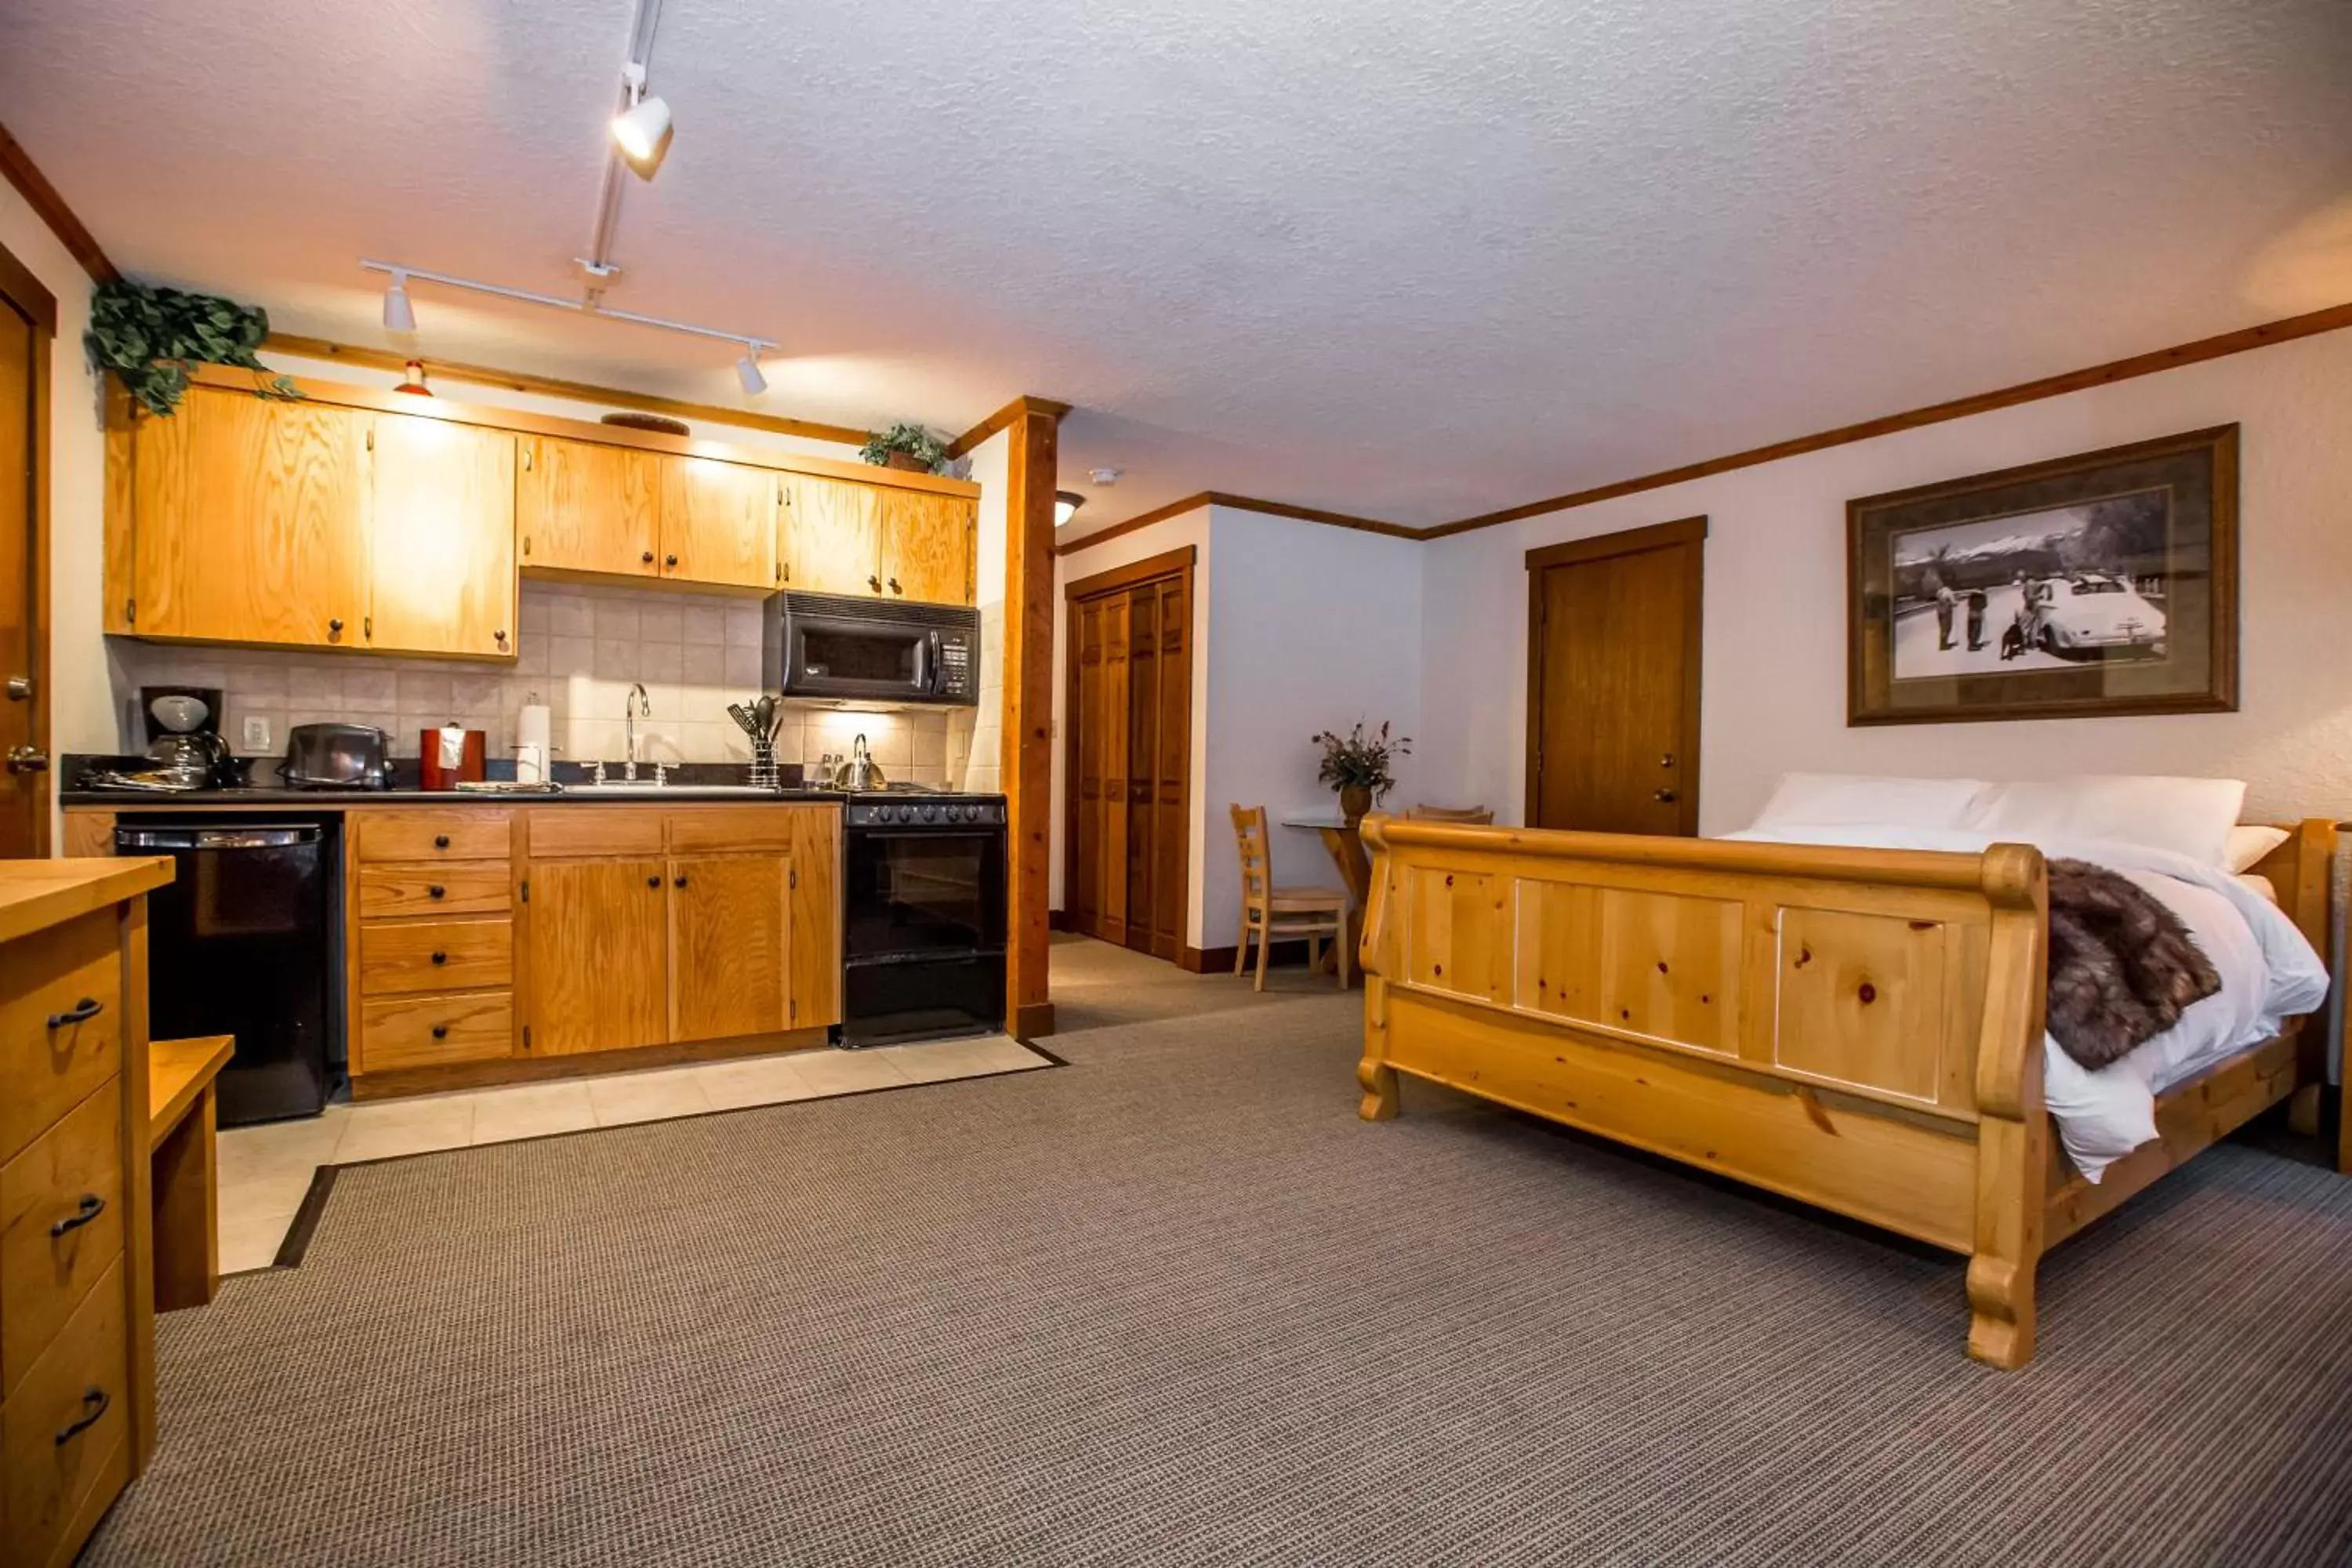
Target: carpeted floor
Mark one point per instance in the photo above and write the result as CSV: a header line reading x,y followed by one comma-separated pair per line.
x,y
1174,1304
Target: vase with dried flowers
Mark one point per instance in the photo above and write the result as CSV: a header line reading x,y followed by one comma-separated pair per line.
x,y
1360,766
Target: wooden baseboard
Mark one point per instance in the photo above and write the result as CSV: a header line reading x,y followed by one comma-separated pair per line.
x,y
496,1070
1058,919
1033,1021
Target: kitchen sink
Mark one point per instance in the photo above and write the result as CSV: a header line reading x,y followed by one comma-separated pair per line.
x,y
648,787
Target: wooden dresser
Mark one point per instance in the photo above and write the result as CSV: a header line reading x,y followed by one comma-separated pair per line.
x,y
76,1311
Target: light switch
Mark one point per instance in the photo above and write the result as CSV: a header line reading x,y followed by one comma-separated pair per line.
x,y
256,733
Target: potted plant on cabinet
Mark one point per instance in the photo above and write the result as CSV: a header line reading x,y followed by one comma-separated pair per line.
x,y
907,446
149,336
1358,765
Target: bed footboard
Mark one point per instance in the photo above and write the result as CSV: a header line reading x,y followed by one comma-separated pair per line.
x,y
1857,1028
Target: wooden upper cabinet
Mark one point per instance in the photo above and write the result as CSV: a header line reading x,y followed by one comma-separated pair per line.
x,y
248,522
442,540
583,507
927,546
835,529
729,945
719,523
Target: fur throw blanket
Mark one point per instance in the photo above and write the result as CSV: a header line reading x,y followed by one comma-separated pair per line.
x,y
2122,964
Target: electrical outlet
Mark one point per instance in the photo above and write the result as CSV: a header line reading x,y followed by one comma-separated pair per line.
x,y
256,733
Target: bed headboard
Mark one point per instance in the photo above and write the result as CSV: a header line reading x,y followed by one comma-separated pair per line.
x,y
2302,870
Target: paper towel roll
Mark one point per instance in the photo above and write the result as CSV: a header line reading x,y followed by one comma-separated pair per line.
x,y
531,726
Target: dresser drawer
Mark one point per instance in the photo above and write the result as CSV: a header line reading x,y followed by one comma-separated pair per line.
x,y
440,955
433,835
60,1023
460,888
398,1032
71,1178
65,1432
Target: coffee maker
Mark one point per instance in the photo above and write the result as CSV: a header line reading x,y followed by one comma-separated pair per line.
x,y
183,738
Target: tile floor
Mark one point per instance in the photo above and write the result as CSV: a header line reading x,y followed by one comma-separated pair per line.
x,y
265,1171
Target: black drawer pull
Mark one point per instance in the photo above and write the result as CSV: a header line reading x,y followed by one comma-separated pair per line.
x,y
434,889
440,841
92,1206
653,881
670,560
94,1401
678,882
440,957
81,1012
440,1031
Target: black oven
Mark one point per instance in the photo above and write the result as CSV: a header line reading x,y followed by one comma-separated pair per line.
x,y
872,652
923,917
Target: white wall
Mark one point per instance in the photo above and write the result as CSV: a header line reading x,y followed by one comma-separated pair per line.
x,y
82,712
1296,628
1773,674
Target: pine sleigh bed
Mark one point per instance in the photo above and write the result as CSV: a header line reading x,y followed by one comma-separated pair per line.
x,y
1860,1029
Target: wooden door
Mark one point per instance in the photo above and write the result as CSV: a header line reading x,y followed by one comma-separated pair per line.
x,y
441,557
1613,682
599,977
813,998
249,522
1128,707
836,542
583,507
28,327
927,546
719,523
729,945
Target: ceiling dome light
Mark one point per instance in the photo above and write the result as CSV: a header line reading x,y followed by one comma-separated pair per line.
x,y
1065,506
399,315
642,131
747,371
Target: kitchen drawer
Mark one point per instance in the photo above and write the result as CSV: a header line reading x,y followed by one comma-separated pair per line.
x,y
73,1170
459,888
76,1392
438,955
423,1031
434,833
558,832
60,1023
703,829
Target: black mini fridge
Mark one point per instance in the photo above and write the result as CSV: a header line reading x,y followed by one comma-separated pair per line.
x,y
243,941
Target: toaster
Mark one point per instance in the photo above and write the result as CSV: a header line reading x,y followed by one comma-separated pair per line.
x,y
337,756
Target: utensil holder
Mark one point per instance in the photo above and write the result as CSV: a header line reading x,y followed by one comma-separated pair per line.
x,y
763,765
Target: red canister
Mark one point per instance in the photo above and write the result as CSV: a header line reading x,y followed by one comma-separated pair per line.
x,y
451,756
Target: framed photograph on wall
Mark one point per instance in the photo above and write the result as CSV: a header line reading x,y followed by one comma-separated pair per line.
x,y
2098,585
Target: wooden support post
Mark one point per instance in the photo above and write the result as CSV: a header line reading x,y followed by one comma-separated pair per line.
x,y
1031,469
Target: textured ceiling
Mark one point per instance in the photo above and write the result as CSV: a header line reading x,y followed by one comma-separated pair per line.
x,y
1409,261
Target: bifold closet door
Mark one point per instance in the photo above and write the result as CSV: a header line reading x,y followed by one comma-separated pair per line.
x,y
1131,711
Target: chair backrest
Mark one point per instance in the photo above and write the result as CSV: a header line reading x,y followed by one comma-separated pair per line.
x,y
1249,838
1479,814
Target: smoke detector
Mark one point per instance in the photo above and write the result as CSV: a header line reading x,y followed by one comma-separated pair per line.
x,y
1104,476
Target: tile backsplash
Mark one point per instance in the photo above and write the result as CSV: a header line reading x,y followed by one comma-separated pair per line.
x,y
579,650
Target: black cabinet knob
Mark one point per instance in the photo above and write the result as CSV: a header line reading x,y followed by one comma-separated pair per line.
x,y
893,586
678,882
435,891
653,881
440,841
440,1031
439,957
501,636
648,557
670,560
335,627
875,584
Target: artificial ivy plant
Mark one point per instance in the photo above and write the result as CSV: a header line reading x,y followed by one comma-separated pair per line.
x,y
912,442
149,335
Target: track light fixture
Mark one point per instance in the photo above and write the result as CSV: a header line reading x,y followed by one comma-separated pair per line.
x,y
642,130
747,371
399,315
1065,506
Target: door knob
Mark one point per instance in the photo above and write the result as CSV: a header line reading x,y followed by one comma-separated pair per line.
x,y
20,688
29,760
1666,795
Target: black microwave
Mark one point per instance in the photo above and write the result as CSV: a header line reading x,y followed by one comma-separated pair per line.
x,y
832,647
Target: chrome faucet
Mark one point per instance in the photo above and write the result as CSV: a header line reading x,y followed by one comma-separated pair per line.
x,y
639,706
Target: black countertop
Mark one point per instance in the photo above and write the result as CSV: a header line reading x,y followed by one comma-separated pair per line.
x,y
337,799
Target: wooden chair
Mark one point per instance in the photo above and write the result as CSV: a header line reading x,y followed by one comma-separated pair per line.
x,y
1478,815
1271,912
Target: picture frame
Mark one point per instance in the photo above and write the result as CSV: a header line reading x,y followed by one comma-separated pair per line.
x,y
2098,584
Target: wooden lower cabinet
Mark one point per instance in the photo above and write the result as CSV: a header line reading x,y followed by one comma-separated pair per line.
x,y
599,972
431,936
730,944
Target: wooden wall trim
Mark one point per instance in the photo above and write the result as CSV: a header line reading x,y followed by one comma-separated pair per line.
x,y
50,208
1239,503
25,292
1166,563
1031,466
1629,542
554,386
1140,521
21,290
383,400
1002,420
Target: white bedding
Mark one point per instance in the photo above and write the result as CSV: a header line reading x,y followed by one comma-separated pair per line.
x,y
2269,972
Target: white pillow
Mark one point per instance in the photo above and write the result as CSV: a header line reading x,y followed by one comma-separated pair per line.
x,y
2247,845
2187,816
1841,800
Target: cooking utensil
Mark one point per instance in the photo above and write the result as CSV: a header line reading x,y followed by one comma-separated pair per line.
x,y
764,710
742,717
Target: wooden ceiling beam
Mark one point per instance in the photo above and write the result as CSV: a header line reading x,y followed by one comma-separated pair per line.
x,y
1002,420
51,209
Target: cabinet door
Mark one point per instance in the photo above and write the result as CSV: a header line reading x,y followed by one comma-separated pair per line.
x,y
729,932
582,507
926,543
719,523
441,532
248,522
815,999
836,537
599,976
